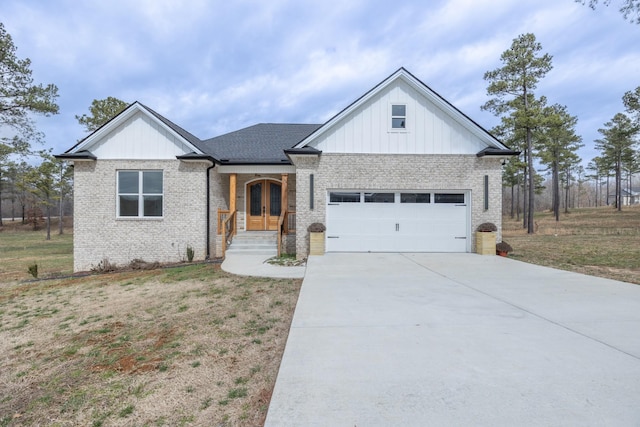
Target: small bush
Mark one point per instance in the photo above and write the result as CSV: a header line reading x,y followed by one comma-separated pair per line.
x,y
316,227
486,227
503,247
33,270
190,253
140,264
104,266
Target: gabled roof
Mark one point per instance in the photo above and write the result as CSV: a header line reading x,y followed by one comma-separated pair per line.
x,y
190,140
426,91
177,129
263,143
271,143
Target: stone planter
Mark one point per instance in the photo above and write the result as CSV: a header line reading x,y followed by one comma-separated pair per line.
x,y
316,243
485,243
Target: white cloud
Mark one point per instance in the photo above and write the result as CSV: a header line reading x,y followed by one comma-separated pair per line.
x,y
216,66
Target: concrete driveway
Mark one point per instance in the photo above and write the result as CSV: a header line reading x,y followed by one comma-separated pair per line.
x,y
458,339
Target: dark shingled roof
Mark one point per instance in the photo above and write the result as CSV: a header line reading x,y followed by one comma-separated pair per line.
x,y
259,144
262,143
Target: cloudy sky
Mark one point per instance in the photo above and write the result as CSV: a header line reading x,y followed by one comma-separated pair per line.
x,y
216,66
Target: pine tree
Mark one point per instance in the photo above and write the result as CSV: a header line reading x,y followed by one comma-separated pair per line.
x,y
618,147
20,97
557,144
102,110
630,9
512,87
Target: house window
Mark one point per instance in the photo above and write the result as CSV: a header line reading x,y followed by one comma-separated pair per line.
x,y
398,116
140,193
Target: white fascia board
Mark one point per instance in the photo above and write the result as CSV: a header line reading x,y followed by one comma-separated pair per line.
x,y
123,117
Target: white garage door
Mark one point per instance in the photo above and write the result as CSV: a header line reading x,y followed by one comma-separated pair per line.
x,y
397,221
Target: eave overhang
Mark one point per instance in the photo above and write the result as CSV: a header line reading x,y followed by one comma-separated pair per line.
x,y
196,158
302,151
497,152
83,155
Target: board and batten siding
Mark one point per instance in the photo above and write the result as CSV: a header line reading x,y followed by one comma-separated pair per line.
x,y
429,129
139,137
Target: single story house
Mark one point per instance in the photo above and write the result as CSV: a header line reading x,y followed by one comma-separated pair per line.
x,y
628,196
398,170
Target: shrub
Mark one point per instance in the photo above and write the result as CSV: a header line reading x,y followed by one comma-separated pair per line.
x,y
190,253
33,270
316,227
503,247
486,227
34,217
140,264
104,266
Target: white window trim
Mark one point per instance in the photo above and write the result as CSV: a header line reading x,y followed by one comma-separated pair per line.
x,y
390,118
140,195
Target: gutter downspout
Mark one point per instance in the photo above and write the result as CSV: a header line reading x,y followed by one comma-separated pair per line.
x,y
208,256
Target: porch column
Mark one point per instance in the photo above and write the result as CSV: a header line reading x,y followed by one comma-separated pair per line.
x,y
285,198
232,198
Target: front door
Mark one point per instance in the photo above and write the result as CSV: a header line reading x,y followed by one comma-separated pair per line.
x,y
264,203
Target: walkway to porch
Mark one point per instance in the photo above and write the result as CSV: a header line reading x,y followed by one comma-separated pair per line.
x,y
255,265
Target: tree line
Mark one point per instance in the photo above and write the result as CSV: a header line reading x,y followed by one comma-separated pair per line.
x,y
33,182
545,134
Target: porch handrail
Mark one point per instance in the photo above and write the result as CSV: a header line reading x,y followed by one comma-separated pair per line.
x,y
222,216
291,221
228,225
286,224
281,230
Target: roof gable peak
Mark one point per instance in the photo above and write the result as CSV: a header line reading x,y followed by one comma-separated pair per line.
x,y
421,88
126,114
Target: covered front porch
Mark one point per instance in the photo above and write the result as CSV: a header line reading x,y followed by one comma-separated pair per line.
x,y
258,199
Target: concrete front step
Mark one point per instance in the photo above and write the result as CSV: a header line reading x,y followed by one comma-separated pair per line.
x,y
268,253
255,243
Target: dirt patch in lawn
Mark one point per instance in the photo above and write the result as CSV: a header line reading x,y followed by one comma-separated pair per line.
x,y
184,346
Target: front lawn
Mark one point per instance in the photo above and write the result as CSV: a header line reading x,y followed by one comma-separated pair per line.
x,y
190,345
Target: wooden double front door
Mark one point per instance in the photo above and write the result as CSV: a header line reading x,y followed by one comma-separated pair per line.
x,y
264,204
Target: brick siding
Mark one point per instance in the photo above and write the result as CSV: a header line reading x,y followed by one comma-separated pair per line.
x,y
395,172
99,235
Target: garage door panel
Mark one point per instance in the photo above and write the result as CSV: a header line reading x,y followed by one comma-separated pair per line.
x,y
432,235
397,227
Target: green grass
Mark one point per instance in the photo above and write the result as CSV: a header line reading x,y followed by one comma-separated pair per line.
x,y
596,241
21,247
96,367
